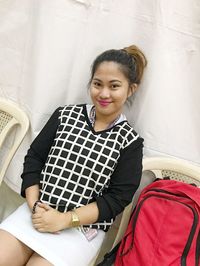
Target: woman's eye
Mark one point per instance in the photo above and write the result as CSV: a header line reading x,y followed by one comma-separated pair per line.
x,y
97,84
114,86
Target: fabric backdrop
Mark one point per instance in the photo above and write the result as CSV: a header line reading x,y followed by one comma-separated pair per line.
x,y
47,47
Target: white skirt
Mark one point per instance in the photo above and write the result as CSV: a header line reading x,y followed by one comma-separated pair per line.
x,y
68,248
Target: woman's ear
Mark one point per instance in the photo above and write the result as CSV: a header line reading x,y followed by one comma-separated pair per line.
x,y
132,89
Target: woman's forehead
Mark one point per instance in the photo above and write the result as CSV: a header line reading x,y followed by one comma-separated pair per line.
x,y
109,69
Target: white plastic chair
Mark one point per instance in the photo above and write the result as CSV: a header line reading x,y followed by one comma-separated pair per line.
x,y
12,117
175,169
153,167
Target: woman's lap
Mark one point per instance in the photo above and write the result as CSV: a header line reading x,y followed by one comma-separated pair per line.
x,y
70,247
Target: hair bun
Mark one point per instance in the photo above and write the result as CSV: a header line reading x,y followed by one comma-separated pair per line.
x,y
139,58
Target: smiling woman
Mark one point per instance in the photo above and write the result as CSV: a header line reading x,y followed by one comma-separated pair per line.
x,y
109,91
115,76
80,172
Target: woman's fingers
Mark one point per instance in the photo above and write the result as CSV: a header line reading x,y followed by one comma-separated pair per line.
x,y
44,206
36,215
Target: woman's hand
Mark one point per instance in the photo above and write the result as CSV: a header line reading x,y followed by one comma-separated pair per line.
x,y
47,219
39,209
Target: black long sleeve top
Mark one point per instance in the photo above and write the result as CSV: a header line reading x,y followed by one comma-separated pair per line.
x,y
74,165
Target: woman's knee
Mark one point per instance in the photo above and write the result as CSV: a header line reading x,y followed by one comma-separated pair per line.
x,y
12,251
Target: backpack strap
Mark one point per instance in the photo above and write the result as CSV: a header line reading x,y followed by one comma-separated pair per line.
x,y
109,258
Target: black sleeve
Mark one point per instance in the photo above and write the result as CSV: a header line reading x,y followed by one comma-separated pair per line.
x,y
38,152
124,182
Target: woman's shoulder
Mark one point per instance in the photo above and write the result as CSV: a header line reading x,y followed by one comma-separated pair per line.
x,y
130,135
71,107
127,130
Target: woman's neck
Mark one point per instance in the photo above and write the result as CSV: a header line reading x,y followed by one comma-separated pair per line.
x,y
102,122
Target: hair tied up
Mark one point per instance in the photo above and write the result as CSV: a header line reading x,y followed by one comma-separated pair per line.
x,y
130,59
138,58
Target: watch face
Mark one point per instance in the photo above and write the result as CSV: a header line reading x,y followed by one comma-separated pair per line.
x,y
76,223
75,219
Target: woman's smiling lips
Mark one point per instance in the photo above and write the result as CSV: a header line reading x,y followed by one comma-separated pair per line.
x,y
104,103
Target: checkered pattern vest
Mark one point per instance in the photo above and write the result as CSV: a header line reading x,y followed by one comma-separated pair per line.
x,y
81,161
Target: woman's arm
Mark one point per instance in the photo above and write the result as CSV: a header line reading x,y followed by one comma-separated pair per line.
x,y
37,155
32,195
124,182
52,220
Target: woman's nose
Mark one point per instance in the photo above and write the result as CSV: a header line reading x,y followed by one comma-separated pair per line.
x,y
105,93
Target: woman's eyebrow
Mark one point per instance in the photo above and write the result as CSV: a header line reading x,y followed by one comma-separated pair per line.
x,y
111,81
115,80
96,79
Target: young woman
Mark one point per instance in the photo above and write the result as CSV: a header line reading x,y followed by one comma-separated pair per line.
x,y
80,172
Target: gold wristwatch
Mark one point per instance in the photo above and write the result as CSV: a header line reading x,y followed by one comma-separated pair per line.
x,y
75,222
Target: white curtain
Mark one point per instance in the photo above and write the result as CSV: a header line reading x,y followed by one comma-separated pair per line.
x,y
47,47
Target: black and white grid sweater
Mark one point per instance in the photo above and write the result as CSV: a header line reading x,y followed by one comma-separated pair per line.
x,y
83,166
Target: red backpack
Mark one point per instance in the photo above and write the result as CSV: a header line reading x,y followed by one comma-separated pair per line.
x,y
164,229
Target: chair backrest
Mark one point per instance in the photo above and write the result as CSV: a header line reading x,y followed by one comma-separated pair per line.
x,y
11,118
176,169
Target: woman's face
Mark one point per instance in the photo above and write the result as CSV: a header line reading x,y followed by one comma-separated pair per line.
x,y
109,90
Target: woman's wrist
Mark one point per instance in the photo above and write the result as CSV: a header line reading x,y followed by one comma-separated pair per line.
x,y
35,206
66,218
31,203
32,195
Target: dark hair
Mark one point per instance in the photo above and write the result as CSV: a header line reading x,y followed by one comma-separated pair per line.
x,y
131,59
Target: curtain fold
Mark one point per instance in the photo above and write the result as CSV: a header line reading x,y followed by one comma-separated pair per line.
x,y
47,47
